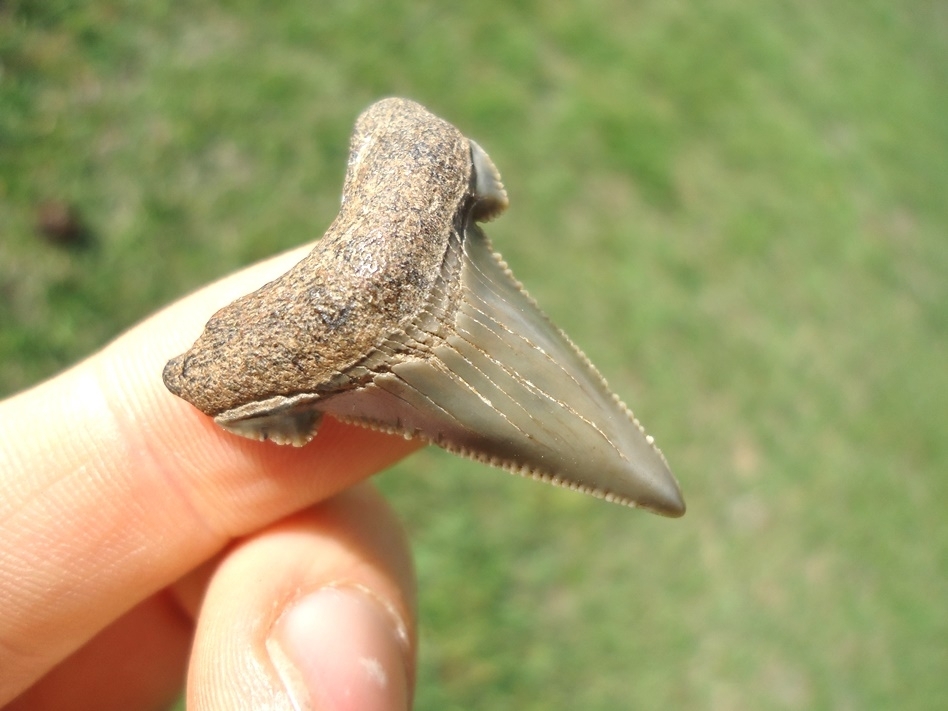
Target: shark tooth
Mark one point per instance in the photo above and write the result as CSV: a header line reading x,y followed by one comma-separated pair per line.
x,y
404,319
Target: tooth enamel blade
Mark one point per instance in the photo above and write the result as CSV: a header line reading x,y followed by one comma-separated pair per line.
x,y
505,386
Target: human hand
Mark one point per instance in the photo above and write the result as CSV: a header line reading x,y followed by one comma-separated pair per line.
x,y
138,542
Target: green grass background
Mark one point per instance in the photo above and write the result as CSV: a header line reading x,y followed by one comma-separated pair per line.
x,y
738,209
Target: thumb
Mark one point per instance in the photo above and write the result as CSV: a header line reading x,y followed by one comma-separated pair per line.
x,y
315,612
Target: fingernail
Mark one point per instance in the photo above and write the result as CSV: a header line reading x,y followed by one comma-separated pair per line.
x,y
340,649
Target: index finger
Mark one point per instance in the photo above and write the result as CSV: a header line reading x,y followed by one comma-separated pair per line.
x,y
112,488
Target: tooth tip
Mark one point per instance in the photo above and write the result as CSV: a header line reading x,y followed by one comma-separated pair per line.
x,y
668,500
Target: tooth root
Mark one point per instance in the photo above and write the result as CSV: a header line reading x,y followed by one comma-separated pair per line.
x,y
507,387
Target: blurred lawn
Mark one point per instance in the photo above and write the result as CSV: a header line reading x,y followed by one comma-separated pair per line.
x,y
738,209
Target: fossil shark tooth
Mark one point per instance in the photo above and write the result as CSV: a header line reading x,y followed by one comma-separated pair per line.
x,y
404,319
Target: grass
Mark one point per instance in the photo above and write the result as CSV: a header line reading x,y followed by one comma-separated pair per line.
x,y
737,209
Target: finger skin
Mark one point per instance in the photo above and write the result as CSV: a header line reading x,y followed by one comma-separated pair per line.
x,y
352,542
137,662
111,488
